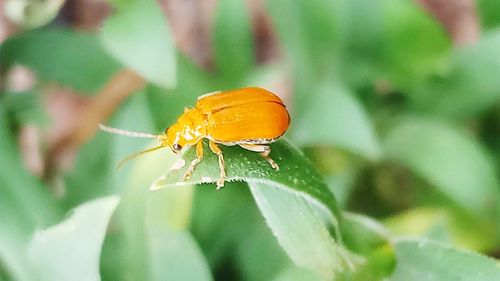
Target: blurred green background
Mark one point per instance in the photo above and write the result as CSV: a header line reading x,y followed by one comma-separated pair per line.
x,y
396,104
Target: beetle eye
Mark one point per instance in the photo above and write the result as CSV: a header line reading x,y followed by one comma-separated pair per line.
x,y
177,147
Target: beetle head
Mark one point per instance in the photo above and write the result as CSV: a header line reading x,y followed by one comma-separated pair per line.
x,y
174,138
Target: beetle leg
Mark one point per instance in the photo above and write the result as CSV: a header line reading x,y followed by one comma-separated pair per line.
x,y
215,149
264,151
199,154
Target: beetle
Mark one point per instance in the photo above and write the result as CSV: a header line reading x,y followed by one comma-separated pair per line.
x,y
249,117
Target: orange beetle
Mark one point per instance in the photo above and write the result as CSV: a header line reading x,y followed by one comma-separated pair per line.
x,y
248,117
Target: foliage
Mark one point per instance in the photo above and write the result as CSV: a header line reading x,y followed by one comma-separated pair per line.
x,y
388,120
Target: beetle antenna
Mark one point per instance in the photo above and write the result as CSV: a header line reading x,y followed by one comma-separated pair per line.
x,y
136,154
127,133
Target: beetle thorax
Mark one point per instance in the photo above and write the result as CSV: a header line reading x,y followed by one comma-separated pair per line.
x,y
188,130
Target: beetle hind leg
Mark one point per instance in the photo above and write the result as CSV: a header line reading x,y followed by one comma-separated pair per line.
x,y
264,151
215,149
199,154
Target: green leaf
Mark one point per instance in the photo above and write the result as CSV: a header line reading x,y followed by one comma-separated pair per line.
x,y
32,13
70,58
222,228
428,261
32,205
308,32
234,53
161,246
13,255
489,13
299,230
178,257
26,108
362,27
394,41
366,237
297,274
450,160
413,44
470,85
138,36
295,175
333,117
155,240
173,250
260,257
71,249
92,162
25,204
447,226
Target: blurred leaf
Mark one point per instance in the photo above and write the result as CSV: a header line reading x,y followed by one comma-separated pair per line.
x,y
368,238
295,175
70,58
13,255
138,36
111,255
33,204
413,45
297,274
167,105
334,117
308,31
92,162
32,13
418,222
98,158
24,205
154,224
161,248
383,40
489,13
362,27
233,42
71,249
445,226
299,230
174,253
425,261
177,257
222,221
470,86
450,160
260,257
26,108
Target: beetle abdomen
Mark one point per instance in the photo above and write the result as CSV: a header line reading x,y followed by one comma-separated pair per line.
x,y
255,121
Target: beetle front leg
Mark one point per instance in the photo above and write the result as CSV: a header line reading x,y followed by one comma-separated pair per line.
x,y
264,151
215,149
199,154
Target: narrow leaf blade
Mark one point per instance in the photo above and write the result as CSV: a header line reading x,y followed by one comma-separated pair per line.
x,y
431,261
71,250
452,161
299,230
